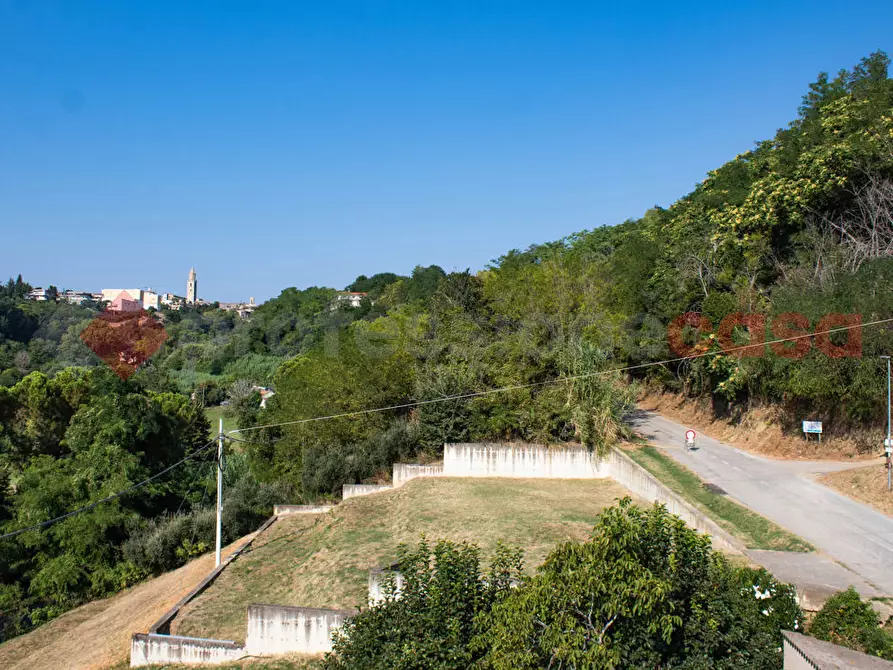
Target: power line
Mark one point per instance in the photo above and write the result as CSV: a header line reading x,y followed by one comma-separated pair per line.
x,y
96,503
504,389
418,403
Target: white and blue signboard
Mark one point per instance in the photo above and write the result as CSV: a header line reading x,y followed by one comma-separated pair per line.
x,y
812,427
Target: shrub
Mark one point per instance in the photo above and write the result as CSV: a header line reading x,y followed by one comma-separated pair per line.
x,y
645,591
166,543
848,621
433,622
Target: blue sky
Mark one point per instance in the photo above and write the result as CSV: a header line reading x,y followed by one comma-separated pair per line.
x,y
293,143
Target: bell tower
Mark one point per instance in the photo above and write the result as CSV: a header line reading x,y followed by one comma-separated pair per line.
x,y
192,287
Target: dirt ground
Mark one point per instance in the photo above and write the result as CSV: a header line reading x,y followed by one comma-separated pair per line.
x,y
97,635
759,432
867,485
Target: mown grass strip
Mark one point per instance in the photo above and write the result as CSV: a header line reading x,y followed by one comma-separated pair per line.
x,y
754,530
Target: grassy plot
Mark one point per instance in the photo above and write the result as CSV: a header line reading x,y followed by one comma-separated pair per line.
x,y
324,561
214,414
754,530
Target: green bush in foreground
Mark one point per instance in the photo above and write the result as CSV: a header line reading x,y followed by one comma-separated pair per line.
x,y
645,591
847,621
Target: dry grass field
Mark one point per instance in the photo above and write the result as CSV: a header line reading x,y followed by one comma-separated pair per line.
x,y
867,485
324,561
97,635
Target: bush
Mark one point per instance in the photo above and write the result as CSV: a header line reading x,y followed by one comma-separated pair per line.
x,y
433,622
166,543
645,591
326,468
848,621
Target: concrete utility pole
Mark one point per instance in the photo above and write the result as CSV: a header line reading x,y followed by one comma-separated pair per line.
x,y
219,489
888,443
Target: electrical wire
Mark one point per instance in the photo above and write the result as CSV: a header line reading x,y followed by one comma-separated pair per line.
x,y
419,403
201,465
559,380
96,503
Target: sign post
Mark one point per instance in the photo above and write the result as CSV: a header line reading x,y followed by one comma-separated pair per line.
x,y
812,427
690,436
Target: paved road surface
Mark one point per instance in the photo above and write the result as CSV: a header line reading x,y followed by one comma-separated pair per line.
x,y
851,533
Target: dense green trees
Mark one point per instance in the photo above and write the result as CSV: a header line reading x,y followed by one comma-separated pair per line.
x,y
802,223
644,591
67,441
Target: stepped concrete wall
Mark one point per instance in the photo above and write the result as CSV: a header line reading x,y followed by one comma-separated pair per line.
x,y
152,649
277,629
354,490
288,510
377,578
521,460
403,472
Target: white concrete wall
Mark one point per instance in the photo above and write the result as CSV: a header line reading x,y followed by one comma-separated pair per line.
x,y
403,472
521,460
377,577
638,480
354,490
288,510
150,649
275,629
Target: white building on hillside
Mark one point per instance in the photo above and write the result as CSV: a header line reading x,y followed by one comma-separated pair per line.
x,y
348,298
75,297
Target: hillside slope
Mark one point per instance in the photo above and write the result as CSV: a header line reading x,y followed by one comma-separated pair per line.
x,y
97,635
325,561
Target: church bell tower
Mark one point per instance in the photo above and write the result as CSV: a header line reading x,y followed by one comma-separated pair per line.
x,y
192,287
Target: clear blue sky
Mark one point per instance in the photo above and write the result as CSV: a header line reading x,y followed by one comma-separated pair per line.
x,y
293,143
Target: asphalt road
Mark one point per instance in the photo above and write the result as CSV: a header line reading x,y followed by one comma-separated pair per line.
x,y
851,533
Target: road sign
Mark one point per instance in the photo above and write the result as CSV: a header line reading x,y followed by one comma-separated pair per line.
x,y
812,427
690,435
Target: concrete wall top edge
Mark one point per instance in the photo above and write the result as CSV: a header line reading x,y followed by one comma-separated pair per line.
x,y
199,641
297,609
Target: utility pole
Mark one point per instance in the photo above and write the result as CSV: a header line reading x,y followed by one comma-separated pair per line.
x,y
219,489
888,443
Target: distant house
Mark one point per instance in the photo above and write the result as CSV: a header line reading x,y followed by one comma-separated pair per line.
x,y
265,394
123,302
172,301
348,299
145,297
75,297
39,294
243,309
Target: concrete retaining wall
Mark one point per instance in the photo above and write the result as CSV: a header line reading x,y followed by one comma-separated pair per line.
x,y
288,510
150,649
521,460
354,490
163,625
377,577
276,629
638,480
403,472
